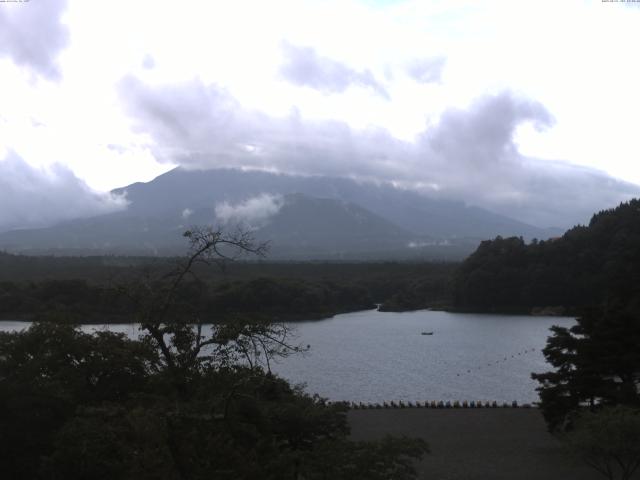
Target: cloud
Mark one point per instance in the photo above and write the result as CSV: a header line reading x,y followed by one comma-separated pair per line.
x,y
479,140
252,212
186,213
31,197
469,155
203,126
148,62
305,68
427,70
32,36
474,157
558,194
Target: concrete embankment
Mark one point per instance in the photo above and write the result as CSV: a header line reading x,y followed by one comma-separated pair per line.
x,y
476,444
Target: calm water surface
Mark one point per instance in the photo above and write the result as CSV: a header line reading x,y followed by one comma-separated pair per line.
x,y
375,356
372,356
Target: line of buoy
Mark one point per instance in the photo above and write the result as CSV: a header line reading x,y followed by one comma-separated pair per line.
x,y
436,404
528,350
504,359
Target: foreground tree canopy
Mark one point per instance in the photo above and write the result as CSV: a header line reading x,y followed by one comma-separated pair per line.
x,y
597,364
184,401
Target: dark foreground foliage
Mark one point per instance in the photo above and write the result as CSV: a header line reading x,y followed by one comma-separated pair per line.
x,y
597,364
89,406
187,400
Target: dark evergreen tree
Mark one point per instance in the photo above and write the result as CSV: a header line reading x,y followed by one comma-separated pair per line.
x,y
597,363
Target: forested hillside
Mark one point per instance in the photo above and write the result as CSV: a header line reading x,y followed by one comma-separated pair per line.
x,y
580,268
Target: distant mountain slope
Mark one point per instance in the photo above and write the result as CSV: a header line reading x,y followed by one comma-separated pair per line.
x,y
180,189
301,227
334,224
302,217
583,267
116,233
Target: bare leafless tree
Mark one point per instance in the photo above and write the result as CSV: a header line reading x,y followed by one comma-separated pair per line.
x,y
187,342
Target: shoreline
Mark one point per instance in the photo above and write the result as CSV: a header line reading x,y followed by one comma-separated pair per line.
x,y
294,318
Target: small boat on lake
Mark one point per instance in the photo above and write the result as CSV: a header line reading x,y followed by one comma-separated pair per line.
x,y
427,333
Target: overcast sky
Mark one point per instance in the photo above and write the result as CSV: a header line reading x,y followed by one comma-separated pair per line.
x,y
529,108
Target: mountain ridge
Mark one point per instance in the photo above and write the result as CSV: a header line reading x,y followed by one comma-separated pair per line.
x,y
403,207
302,217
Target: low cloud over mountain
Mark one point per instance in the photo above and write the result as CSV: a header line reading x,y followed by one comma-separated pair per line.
x,y
469,155
252,212
32,197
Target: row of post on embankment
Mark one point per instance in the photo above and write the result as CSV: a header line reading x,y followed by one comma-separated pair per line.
x,y
438,404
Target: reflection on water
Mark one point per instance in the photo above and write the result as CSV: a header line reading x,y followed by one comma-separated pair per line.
x,y
375,356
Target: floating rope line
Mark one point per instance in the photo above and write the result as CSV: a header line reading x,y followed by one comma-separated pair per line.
x,y
504,359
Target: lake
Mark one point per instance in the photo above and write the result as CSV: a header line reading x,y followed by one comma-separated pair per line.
x,y
372,356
